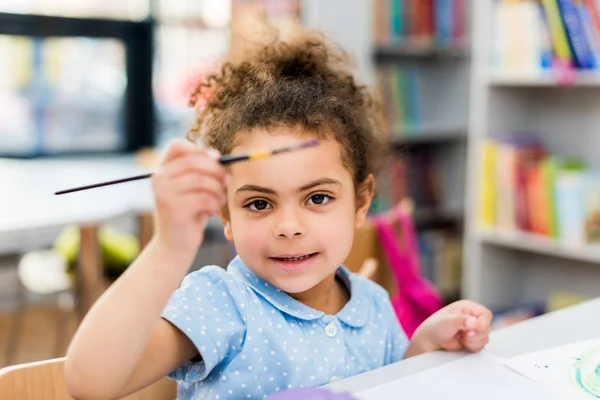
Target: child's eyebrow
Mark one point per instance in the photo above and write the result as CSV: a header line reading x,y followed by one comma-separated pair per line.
x,y
308,186
255,188
319,182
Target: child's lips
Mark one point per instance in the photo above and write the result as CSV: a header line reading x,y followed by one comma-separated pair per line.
x,y
294,262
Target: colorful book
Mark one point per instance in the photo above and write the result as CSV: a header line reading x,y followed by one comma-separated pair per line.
x,y
592,7
548,173
396,19
558,33
592,207
487,185
505,178
589,31
575,34
568,187
546,52
443,22
569,200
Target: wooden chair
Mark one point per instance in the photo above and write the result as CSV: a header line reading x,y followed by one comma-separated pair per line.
x,y
45,380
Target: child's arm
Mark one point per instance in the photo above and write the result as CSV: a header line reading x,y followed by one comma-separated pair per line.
x,y
123,345
417,346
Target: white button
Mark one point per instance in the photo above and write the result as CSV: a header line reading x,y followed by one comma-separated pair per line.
x,y
331,330
334,379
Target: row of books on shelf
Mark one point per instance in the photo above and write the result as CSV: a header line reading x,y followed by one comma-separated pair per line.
x,y
420,22
414,176
537,35
526,188
398,89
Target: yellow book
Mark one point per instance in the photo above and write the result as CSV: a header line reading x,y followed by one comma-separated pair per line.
x,y
487,205
557,31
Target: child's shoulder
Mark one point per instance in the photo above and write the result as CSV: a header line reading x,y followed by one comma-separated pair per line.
x,y
211,276
211,285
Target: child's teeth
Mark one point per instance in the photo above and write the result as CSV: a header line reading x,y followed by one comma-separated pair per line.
x,y
296,258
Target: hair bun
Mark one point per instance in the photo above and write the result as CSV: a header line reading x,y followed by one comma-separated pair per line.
x,y
306,56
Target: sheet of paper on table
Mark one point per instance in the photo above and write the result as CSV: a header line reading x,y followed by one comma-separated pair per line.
x,y
572,369
474,377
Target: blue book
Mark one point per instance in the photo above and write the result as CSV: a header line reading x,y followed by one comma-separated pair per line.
x,y
427,257
546,55
590,34
443,22
576,35
397,19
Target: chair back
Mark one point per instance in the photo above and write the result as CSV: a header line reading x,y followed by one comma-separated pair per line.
x,y
45,380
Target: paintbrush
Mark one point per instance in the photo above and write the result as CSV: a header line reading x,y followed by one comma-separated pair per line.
x,y
225,160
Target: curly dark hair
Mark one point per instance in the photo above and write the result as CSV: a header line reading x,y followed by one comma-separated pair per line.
x,y
301,83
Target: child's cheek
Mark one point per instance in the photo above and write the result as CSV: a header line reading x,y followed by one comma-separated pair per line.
x,y
251,237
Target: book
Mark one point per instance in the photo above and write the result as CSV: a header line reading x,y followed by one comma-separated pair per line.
x,y
592,207
575,34
419,22
558,32
487,185
523,187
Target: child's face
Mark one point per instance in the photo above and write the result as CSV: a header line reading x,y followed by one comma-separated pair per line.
x,y
292,216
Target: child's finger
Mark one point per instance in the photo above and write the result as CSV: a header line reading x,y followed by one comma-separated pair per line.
x,y
477,317
198,162
203,203
484,320
194,182
475,346
177,148
476,335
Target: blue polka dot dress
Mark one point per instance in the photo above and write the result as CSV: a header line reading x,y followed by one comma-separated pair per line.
x,y
256,340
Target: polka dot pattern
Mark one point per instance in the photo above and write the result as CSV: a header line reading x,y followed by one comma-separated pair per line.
x,y
255,340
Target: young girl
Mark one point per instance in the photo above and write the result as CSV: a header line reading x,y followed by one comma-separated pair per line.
x,y
285,313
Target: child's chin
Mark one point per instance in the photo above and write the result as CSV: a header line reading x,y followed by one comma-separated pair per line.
x,y
295,285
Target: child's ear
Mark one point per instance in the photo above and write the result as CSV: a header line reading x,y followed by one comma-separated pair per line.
x,y
364,196
226,221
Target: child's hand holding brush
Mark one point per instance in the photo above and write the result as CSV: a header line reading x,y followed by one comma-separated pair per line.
x,y
189,187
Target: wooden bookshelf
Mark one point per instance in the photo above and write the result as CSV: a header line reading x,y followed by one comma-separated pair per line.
x,y
504,267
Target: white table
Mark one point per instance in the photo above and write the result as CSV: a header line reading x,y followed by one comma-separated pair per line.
x,y
549,330
30,212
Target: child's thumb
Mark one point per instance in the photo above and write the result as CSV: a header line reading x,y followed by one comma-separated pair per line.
x,y
470,322
461,322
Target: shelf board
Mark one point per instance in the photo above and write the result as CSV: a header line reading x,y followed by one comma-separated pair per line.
x,y
542,79
428,136
539,244
427,218
394,52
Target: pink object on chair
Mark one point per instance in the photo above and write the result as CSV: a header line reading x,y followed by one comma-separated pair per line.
x,y
416,298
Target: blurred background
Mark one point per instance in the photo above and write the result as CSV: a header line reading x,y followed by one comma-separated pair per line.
x,y
492,116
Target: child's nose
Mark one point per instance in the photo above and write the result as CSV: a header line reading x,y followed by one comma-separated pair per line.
x,y
289,225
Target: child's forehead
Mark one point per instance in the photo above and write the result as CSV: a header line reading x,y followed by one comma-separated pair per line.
x,y
287,169
274,137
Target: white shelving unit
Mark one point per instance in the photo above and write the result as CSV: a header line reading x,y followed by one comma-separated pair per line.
x,y
548,79
502,268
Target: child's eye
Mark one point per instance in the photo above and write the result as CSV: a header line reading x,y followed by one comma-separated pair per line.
x,y
319,199
258,205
